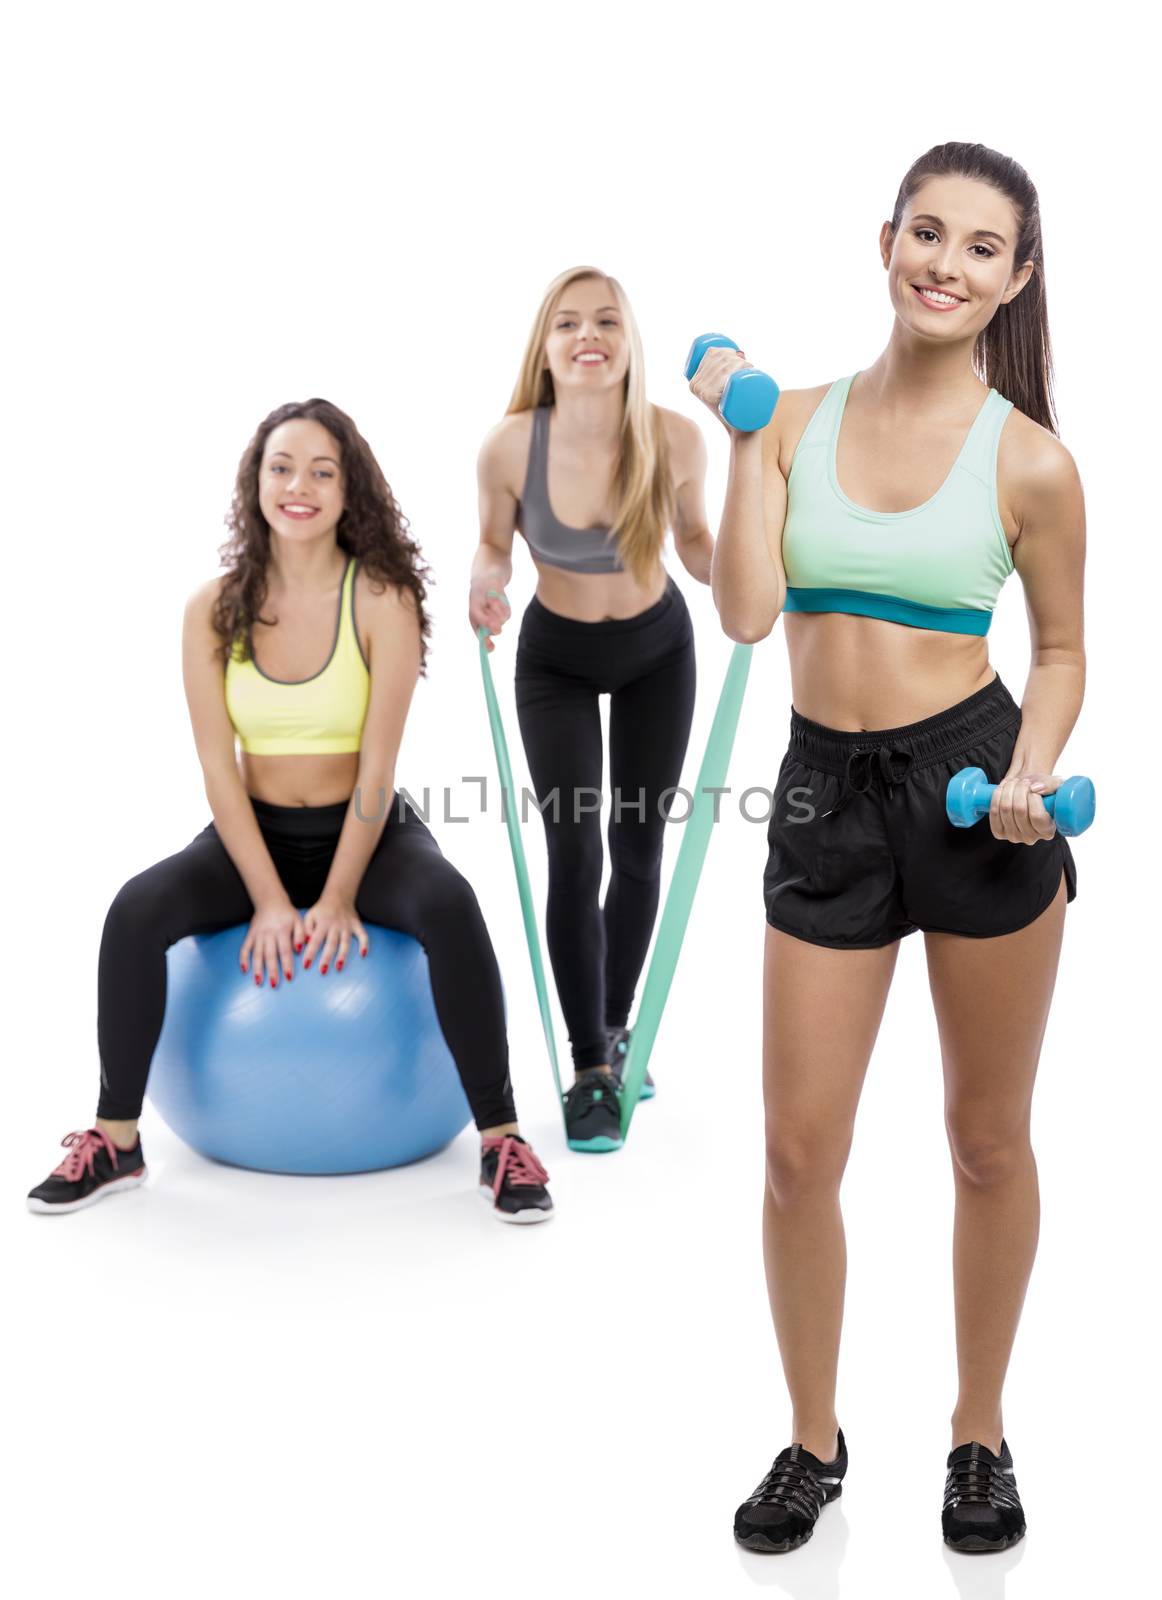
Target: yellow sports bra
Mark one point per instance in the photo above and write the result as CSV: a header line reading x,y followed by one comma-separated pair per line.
x,y
321,715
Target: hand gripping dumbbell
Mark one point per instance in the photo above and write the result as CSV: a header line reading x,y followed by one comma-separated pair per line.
x,y
749,399
970,795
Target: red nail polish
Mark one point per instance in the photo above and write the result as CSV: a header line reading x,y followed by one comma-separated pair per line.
x,y
323,968
363,952
258,980
338,966
273,981
298,947
307,962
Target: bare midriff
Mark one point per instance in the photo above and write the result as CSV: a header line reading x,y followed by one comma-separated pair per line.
x,y
596,596
299,780
861,673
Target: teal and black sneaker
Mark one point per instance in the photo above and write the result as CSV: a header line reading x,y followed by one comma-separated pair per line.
x,y
618,1050
593,1113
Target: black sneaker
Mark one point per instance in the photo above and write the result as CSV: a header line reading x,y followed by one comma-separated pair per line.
x,y
982,1509
93,1168
782,1512
513,1179
593,1113
618,1051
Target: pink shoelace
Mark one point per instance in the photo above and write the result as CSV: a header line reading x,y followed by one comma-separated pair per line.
x,y
83,1150
516,1159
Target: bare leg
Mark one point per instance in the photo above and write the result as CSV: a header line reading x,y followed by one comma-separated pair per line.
x,y
990,1055
122,1133
821,1013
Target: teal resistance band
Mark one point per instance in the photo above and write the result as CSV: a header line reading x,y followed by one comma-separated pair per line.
x,y
680,898
512,819
683,885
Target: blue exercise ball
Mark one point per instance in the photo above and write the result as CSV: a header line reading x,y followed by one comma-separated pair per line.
x,y
342,1072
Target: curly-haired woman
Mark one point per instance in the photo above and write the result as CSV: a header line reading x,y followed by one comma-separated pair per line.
x,y
307,650
880,515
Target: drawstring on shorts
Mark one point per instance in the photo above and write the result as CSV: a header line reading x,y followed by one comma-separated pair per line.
x,y
893,761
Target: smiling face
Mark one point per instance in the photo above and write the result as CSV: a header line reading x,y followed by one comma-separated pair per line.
x,y
300,480
951,264
586,346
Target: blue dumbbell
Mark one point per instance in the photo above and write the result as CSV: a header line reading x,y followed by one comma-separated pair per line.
x,y
749,399
970,794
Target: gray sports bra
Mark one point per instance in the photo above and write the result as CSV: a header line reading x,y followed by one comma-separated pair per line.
x,y
578,549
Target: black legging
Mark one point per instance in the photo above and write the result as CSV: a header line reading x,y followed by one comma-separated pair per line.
x,y
408,885
646,665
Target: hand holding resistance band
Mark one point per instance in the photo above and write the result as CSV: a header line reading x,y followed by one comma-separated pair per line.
x,y
970,795
493,619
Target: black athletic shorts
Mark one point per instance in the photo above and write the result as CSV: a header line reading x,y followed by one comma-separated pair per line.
x,y
860,848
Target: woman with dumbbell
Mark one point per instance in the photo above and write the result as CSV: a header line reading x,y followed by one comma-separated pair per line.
x,y
880,515
320,566
592,474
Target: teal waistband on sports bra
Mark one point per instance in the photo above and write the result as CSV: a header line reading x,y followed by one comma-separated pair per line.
x,y
940,565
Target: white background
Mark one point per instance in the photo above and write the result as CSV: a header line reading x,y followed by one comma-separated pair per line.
x,y
236,1384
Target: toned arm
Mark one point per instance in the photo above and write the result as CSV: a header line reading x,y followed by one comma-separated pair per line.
x,y
1049,555
692,537
205,684
747,577
393,627
492,562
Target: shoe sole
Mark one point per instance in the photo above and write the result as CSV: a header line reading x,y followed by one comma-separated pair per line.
x,y
767,1547
596,1146
974,1544
535,1214
49,1208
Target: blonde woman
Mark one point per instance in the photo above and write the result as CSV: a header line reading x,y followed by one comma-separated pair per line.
x,y
592,475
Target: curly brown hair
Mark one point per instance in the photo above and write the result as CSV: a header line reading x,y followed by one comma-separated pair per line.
x,y
372,528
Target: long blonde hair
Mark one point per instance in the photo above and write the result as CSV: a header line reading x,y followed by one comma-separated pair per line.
x,y
644,492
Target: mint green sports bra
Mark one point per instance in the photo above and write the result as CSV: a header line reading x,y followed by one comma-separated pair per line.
x,y
940,565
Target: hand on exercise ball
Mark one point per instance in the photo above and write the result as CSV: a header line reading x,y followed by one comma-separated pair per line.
x,y
275,930
331,924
